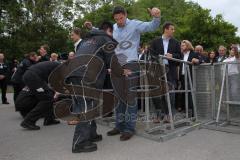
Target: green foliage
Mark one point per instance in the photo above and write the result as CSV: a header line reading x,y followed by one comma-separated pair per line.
x,y
25,24
192,21
28,24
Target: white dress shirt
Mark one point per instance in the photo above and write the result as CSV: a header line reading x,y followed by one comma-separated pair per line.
x,y
185,58
165,47
76,44
232,68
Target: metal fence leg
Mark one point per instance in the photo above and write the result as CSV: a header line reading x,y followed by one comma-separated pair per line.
x,y
186,90
168,99
194,85
142,84
192,93
147,110
227,94
221,94
213,92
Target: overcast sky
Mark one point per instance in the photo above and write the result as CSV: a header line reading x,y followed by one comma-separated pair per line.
x,y
230,9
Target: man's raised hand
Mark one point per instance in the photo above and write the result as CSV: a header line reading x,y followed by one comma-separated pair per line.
x,y
154,12
88,25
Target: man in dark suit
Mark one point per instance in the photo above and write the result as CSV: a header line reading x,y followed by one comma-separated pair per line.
x,y
200,52
36,79
222,54
168,46
76,38
4,75
16,79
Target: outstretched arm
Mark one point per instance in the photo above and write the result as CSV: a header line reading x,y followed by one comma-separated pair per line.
x,y
152,25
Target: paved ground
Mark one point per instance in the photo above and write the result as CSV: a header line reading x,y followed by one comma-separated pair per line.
x,y
54,143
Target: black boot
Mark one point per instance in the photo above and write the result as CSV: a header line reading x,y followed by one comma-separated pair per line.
x,y
84,147
30,126
97,138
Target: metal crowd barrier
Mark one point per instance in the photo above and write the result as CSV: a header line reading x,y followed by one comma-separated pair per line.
x,y
216,102
163,132
218,96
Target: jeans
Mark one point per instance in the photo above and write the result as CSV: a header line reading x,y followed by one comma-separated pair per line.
x,y
126,112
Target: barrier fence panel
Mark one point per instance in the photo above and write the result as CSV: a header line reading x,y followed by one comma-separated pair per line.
x,y
179,124
203,85
226,103
230,99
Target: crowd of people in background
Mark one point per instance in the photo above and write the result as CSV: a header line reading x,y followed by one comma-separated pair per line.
x,y
32,105
34,69
11,72
205,57
168,46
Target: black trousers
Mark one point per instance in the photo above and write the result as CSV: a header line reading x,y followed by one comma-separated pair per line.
x,y
3,85
25,102
181,100
44,107
17,89
161,102
85,130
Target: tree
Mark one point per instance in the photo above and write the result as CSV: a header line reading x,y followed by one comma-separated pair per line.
x,y
101,12
28,24
192,21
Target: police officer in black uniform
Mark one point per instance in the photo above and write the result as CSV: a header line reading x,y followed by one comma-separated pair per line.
x,y
4,76
36,79
85,132
16,79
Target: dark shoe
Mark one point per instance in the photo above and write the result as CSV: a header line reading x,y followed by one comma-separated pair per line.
x,y
29,126
126,136
157,120
166,119
97,138
6,102
180,109
50,122
85,147
113,132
